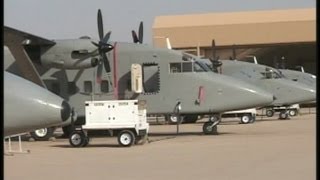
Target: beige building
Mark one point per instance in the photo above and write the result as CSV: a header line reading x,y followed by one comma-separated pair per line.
x,y
269,35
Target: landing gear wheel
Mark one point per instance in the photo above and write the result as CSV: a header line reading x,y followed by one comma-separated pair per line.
x,y
293,112
43,134
283,115
269,113
77,139
209,129
126,138
173,119
245,119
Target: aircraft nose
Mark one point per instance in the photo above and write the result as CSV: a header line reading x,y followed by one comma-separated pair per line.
x,y
256,97
289,92
244,95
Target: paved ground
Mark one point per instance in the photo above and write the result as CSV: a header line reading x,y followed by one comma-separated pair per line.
x,y
268,149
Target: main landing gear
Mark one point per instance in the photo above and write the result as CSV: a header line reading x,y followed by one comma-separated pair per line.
x,y
210,127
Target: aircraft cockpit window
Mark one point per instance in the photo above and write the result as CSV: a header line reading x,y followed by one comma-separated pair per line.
x,y
187,67
271,74
201,67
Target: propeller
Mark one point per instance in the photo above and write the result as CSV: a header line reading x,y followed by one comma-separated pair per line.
x,y
214,60
102,46
135,37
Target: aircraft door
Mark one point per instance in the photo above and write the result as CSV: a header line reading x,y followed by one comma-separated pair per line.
x,y
151,78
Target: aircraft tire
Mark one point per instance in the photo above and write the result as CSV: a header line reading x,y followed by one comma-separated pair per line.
x,y
126,138
86,141
269,113
293,112
77,139
208,130
283,115
246,119
172,119
43,134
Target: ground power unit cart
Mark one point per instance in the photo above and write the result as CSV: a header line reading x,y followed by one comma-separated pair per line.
x,y
126,119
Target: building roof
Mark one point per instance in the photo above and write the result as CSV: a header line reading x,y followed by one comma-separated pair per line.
x,y
242,28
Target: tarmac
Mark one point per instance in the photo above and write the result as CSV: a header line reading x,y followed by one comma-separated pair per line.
x,y
267,149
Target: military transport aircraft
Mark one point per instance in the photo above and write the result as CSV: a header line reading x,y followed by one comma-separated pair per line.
x,y
286,92
28,107
87,69
298,75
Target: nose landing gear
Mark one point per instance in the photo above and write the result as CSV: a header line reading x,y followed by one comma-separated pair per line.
x,y
210,127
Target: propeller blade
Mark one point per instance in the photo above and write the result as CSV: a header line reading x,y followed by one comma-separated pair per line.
x,y
141,32
99,72
96,44
106,37
213,49
134,37
100,25
105,62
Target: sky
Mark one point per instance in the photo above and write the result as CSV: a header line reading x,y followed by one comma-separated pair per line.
x,y
69,19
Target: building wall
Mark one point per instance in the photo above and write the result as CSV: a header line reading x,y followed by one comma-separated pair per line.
x,y
266,34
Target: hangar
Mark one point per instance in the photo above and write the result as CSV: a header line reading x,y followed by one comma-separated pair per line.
x,y
276,37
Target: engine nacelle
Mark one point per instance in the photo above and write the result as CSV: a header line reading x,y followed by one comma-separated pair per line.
x,y
70,63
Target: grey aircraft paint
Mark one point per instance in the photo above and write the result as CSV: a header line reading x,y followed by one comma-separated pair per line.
x,y
287,92
301,77
28,107
220,93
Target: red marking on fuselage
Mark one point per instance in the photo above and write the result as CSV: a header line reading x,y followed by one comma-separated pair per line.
x,y
115,71
201,94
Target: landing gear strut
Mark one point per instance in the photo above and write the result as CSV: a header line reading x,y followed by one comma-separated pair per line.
x,y
210,127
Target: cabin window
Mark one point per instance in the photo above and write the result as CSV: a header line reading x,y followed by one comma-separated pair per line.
x,y
88,86
175,67
151,78
104,87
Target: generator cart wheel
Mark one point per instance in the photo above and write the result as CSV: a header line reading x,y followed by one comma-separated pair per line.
x,y
253,119
77,139
43,134
126,138
269,113
283,115
208,129
293,112
245,119
86,141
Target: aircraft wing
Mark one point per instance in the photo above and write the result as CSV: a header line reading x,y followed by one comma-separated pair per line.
x,y
25,38
16,41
